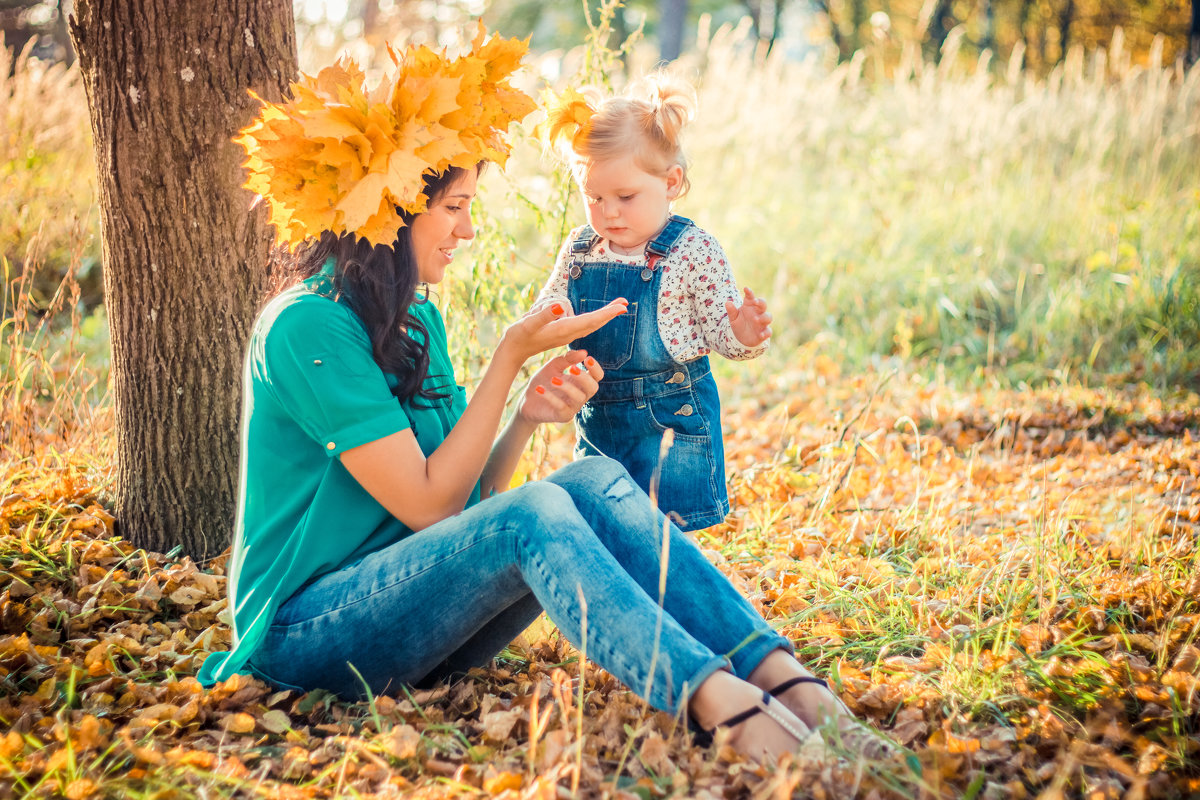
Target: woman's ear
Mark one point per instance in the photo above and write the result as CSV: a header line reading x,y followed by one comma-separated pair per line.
x,y
674,181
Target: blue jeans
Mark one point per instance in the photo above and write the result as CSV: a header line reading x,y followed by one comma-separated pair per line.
x,y
451,596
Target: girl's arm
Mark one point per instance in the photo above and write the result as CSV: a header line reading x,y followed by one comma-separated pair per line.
x,y
556,285
420,491
737,328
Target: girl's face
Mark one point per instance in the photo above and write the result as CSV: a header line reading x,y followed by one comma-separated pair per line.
x,y
626,204
445,225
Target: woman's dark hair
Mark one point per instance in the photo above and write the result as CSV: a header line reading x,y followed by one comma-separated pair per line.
x,y
380,284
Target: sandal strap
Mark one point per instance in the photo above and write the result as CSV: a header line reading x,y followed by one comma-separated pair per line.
x,y
767,708
790,682
742,716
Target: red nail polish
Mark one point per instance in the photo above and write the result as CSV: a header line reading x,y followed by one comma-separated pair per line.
x,y
540,389
576,371
591,362
557,381
557,309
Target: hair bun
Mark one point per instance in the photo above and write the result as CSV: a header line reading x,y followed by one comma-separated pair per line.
x,y
673,101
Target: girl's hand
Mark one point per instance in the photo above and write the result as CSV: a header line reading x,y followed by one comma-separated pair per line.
x,y
554,326
560,388
751,323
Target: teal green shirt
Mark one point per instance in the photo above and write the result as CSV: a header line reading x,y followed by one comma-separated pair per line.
x,y
312,391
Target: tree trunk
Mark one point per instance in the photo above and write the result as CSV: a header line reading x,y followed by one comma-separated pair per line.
x,y
185,264
987,36
1193,54
670,28
1065,17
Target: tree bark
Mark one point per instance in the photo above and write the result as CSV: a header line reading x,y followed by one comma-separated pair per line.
x,y
1066,16
185,264
1193,53
670,28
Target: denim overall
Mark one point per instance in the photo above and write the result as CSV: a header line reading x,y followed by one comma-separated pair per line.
x,y
645,391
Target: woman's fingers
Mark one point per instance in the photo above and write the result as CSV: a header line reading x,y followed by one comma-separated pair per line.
x,y
565,383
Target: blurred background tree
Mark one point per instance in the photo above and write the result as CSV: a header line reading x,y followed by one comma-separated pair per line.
x,y
1046,28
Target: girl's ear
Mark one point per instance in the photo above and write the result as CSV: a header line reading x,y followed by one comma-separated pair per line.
x,y
674,181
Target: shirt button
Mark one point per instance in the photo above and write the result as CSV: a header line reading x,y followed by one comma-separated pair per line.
x,y
685,410
332,446
317,362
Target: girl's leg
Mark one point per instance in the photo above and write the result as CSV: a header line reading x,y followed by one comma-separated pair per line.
x,y
698,596
402,611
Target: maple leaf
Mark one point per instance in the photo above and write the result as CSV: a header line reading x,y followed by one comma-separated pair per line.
x,y
567,115
337,158
340,122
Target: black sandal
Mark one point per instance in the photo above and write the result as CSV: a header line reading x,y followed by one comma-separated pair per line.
x,y
790,682
706,737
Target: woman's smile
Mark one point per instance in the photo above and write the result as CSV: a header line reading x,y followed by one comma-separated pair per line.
x,y
438,232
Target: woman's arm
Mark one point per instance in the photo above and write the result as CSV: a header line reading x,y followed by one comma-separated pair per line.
x,y
555,394
420,491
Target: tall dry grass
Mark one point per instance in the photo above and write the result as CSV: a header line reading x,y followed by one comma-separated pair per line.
x,y
976,215
53,352
47,205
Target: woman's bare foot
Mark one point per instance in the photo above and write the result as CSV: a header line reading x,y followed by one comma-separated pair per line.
x,y
813,702
760,727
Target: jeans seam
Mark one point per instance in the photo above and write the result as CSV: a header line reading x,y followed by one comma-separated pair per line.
x,y
550,581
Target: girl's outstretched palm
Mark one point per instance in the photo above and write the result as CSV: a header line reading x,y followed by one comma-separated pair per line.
x,y
554,325
752,322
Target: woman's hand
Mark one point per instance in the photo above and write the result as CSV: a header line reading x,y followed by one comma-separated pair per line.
x,y
560,388
554,326
752,322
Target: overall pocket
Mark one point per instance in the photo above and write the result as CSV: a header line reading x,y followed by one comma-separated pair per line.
x,y
612,345
681,412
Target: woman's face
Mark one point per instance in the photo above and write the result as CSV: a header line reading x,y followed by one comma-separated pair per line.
x,y
445,225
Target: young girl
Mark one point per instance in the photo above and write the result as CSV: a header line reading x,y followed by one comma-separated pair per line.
x,y
625,153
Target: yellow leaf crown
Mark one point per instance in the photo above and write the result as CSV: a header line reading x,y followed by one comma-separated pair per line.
x,y
338,158
567,118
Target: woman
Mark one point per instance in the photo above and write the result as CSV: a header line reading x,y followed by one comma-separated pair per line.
x,y
375,544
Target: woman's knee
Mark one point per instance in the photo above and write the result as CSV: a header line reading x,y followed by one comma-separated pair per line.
x,y
543,507
597,474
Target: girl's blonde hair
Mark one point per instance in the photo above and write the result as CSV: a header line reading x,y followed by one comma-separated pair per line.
x,y
645,122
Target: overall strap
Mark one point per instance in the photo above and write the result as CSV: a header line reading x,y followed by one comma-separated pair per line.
x,y
585,240
676,226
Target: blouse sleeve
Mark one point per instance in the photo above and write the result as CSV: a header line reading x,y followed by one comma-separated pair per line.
x,y
555,289
711,282
317,363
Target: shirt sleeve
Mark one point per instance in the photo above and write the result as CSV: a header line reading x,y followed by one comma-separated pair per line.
x,y
317,362
555,289
711,283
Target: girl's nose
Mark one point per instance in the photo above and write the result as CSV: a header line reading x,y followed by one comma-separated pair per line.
x,y
610,210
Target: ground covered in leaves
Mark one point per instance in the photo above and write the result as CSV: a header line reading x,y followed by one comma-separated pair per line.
x,y
1005,583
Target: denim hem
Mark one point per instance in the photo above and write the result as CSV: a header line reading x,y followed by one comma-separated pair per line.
x,y
700,519
750,654
698,677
